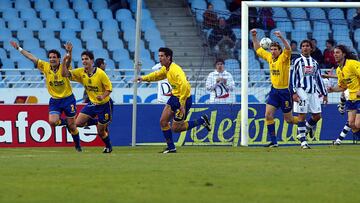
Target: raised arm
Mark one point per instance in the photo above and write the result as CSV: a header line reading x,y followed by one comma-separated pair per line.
x,y
255,41
283,40
68,47
27,54
65,69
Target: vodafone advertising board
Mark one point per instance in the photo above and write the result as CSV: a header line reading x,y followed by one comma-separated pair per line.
x,y
27,126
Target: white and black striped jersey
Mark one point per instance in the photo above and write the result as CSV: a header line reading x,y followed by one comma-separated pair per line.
x,y
306,74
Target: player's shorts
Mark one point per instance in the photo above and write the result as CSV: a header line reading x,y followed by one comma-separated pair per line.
x,y
102,111
66,105
309,102
174,103
351,105
280,98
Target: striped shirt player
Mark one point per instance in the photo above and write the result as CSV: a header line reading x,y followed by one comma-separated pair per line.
x,y
306,83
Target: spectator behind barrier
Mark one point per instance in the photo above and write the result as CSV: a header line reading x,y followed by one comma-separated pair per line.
x,y
317,54
356,20
329,59
210,18
222,40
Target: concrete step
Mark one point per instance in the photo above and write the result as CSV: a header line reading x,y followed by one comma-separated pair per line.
x,y
174,21
185,43
179,33
164,12
162,3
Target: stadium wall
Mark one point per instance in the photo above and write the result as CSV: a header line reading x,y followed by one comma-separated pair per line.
x,y
27,126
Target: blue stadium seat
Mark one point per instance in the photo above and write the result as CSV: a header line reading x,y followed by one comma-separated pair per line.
x,y
85,14
110,24
321,26
31,43
357,35
92,24
147,63
39,53
77,5
128,24
303,25
120,54
351,12
2,23
254,64
9,14
232,64
126,64
279,14
75,42
66,13
88,34
76,54
27,13
73,24
41,4
297,14
99,4
131,45
3,53
113,44
260,34
104,14
54,24
148,24
336,15
44,34
47,13
134,3
67,34
25,64
20,4
284,26
237,32
52,44
6,4
340,28
23,34
110,34
152,34
94,44
316,14
60,4
15,24
110,64
145,54
155,44
8,63
219,5
123,15
15,55
6,44
321,34
299,35
129,35
34,24
5,34
101,53
198,5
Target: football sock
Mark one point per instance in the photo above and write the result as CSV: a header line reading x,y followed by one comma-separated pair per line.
x,y
76,137
168,138
107,142
194,123
301,130
310,123
271,131
344,131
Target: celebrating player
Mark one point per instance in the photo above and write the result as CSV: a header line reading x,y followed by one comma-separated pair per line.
x,y
180,102
98,86
306,81
59,88
348,73
279,96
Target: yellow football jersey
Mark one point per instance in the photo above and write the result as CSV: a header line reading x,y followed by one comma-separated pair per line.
x,y
177,79
95,85
349,77
58,86
279,68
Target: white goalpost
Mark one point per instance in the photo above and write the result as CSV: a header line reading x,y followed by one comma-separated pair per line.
x,y
245,48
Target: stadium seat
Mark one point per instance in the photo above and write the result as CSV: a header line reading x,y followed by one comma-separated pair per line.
x,y
297,14
316,14
279,14
299,35
110,34
110,24
77,5
123,15
44,34
8,63
198,5
73,24
67,34
5,34
303,25
120,54
110,64
66,13
104,14
2,23
27,13
284,26
320,35
47,13
113,44
134,3
98,5
146,63
23,34
232,64
336,16
53,24
34,24
155,44
129,34
260,34
25,64
148,24
237,32
101,53
15,24
126,64
88,34
76,54
60,4
39,53
128,25
94,44
41,4
85,14
131,45
31,43
357,35
3,53
53,44
10,14
7,46
20,4
6,4
16,56
351,12
320,26
92,24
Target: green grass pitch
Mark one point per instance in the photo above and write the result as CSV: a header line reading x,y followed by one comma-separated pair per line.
x,y
194,174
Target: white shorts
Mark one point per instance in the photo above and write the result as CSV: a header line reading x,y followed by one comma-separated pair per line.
x,y
309,102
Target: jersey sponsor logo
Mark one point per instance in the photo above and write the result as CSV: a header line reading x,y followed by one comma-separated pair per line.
x,y
275,72
165,89
309,70
57,83
92,88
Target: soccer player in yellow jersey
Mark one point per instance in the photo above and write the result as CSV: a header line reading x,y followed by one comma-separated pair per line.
x,y
179,103
98,87
279,95
348,73
62,98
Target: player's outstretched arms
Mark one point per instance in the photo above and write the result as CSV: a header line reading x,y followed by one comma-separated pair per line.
x,y
24,52
68,47
283,40
256,42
